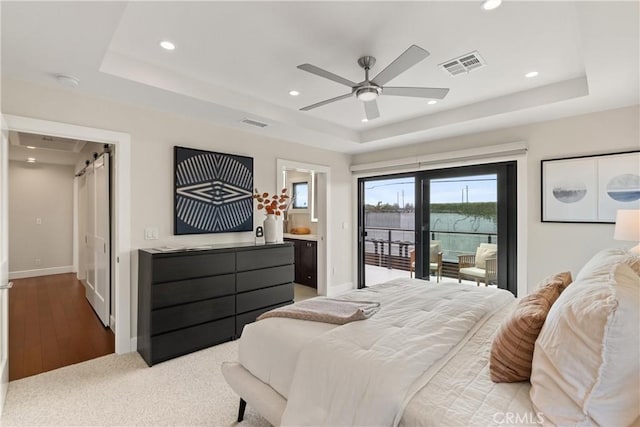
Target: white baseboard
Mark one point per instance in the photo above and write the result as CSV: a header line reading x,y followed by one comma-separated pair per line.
x,y
40,272
134,344
339,289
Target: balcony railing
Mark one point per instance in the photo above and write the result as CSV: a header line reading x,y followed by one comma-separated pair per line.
x,y
390,247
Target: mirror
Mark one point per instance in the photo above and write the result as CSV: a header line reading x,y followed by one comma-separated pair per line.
x,y
305,182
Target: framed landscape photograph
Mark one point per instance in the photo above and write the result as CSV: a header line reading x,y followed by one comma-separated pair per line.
x,y
590,189
213,192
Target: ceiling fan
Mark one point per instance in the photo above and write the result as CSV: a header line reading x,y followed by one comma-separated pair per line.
x,y
369,90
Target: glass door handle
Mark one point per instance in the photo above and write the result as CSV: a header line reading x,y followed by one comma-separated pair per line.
x,y
7,286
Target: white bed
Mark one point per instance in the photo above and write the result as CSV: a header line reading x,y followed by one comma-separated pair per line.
x,y
286,366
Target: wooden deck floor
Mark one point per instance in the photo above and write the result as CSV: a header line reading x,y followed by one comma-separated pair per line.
x,y
52,325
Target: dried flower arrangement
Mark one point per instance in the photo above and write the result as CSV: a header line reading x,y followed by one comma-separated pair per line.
x,y
272,204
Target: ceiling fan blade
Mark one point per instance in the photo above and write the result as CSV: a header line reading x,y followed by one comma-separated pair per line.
x,y
402,63
418,92
371,110
326,74
325,102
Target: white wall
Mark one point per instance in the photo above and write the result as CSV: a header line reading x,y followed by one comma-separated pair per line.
x,y
45,191
153,135
550,247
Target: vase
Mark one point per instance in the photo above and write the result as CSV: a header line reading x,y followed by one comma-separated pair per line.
x,y
270,225
279,229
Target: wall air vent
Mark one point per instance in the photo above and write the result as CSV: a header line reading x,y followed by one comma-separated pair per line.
x,y
253,123
463,64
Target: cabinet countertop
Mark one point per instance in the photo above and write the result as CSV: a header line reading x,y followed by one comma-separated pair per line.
x,y
312,237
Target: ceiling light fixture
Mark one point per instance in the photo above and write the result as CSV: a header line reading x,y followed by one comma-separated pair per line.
x,y
531,74
31,159
67,80
368,93
365,120
30,147
294,93
166,44
491,4
432,102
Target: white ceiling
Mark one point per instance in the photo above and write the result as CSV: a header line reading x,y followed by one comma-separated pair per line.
x,y
238,59
44,149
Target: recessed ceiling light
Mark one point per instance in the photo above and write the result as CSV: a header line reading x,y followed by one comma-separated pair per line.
x,y
30,147
31,160
365,120
432,102
166,44
531,74
294,93
491,4
67,80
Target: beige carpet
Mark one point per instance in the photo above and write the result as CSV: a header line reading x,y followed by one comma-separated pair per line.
x,y
124,391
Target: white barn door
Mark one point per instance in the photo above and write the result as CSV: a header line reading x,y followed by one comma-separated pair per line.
x,y
97,231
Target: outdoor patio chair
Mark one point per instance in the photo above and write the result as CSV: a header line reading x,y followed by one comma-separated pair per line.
x,y
435,260
481,267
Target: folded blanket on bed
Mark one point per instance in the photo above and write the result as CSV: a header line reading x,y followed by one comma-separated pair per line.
x,y
326,310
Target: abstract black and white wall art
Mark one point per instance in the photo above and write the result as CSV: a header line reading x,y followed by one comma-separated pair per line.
x,y
213,192
590,188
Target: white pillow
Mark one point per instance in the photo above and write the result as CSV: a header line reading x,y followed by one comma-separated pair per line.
x,y
586,361
601,262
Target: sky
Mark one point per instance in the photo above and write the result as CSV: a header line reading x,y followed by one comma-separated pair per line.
x,y
481,188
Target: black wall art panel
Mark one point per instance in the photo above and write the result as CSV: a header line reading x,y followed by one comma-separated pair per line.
x,y
213,192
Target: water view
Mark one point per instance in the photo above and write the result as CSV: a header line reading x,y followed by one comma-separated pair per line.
x,y
463,213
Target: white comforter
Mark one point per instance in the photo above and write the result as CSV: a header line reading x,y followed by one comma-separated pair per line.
x,y
365,373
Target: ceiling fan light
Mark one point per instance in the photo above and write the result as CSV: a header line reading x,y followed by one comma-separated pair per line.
x,y
367,94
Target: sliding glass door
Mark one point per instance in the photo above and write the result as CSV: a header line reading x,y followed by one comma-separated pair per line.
x,y
387,228
456,224
468,225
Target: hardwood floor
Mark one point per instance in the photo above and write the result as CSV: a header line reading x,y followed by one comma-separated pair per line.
x,y
52,325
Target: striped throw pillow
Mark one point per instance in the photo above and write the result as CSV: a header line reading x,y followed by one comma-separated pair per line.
x,y
512,347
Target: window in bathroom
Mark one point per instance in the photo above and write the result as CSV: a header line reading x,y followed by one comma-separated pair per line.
x,y
300,195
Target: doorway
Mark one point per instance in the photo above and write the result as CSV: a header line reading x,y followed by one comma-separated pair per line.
x,y
122,212
307,223
461,228
50,325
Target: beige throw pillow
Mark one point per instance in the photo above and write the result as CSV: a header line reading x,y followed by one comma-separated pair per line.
x,y
512,348
586,362
434,249
483,253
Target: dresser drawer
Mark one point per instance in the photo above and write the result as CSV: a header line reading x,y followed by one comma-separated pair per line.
x,y
262,258
254,300
172,344
251,316
190,266
173,293
257,279
180,316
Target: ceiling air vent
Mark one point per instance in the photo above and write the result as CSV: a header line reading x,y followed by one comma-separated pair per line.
x,y
253,123
463,64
